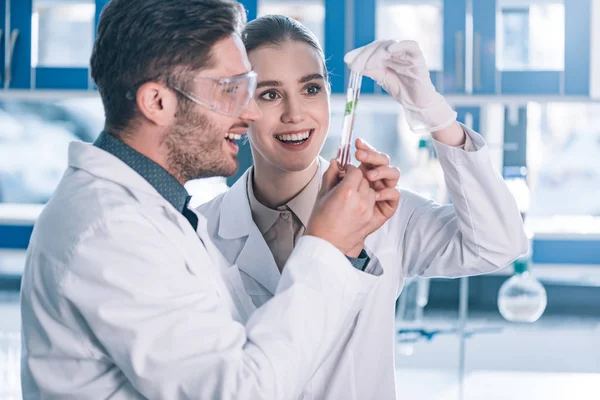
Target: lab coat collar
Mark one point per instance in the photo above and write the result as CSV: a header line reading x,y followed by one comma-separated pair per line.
x,y
235,217
164,183
263,216
106,166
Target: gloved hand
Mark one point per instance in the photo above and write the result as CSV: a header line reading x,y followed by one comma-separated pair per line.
x,y
399,67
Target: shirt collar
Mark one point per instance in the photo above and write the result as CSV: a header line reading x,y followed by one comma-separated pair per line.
x,y
301,205
263,216
164,183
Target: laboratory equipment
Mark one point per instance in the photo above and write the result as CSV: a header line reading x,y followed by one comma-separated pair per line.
x,y
343,154
522,298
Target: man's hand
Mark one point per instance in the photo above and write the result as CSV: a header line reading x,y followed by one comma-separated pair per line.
x,y
383,178
344,209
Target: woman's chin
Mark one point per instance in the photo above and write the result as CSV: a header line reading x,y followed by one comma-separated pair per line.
x,y
297,164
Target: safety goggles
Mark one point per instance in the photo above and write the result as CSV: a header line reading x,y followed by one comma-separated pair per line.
x,y
228,96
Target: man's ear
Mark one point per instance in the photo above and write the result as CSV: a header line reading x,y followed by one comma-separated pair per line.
x,y
157,103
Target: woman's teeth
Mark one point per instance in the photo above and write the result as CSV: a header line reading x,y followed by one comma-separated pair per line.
x,y
295,137
233,136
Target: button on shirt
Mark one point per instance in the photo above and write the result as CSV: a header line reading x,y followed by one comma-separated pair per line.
x,y
282,227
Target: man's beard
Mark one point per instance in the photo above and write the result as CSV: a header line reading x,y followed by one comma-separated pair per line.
x,y
195,147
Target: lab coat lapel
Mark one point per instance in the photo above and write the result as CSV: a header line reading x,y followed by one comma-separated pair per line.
x,y
193,245
230,274
235,222
256,260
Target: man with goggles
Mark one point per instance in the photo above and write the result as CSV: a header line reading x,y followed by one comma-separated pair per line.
x,y
123,294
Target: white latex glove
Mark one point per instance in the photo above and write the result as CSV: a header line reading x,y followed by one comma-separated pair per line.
x,y
399,68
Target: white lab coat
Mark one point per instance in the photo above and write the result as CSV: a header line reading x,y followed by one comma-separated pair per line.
x,y
122,300
481,232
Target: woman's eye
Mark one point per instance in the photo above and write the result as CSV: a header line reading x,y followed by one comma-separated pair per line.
x,y
313,89
269,95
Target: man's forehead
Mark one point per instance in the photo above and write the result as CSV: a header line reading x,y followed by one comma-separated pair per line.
x,y
229,58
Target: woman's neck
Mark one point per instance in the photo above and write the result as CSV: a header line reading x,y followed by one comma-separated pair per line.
x,y
274,187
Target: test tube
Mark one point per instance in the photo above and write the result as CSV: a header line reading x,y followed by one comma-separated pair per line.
x,y
343,154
